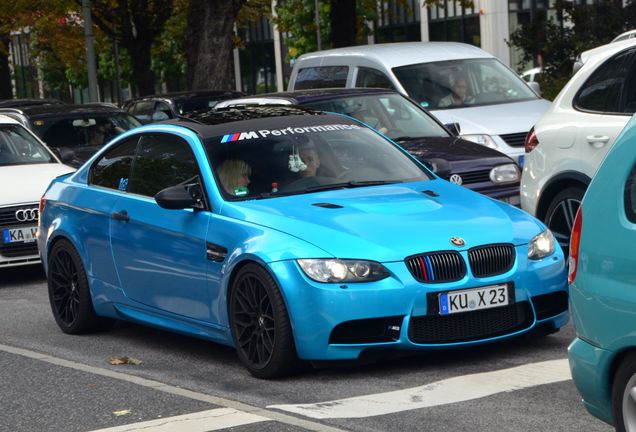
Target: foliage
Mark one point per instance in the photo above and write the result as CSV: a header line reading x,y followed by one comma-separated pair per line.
x,y
554,43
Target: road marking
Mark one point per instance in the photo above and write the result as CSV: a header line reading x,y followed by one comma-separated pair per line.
x,y
202,421
159,386
452,390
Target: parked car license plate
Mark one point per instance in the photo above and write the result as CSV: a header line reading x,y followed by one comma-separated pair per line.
x,y
473,299
19,235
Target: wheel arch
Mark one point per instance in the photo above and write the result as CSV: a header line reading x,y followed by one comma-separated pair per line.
x,y
557,184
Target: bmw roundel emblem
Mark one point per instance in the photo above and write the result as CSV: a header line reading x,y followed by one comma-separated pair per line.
x,y
457,241
456,178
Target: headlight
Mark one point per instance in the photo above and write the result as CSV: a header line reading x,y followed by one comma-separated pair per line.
x,y
541,245
508,173
338,270
485,140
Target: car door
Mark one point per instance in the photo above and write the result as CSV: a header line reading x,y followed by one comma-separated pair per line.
x,y
160,254
603,108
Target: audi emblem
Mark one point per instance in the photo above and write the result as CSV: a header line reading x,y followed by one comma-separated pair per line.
x,y
456,178
27,215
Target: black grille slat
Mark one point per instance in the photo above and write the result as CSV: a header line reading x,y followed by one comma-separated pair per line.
x,y
8,219
515,139
467,326
491,260
19,250
447,266
475,176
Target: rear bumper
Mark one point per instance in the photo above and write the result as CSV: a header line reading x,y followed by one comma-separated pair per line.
x,y
591,368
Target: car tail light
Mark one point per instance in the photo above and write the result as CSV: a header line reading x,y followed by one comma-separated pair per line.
x,y
42,205
531,141
575,242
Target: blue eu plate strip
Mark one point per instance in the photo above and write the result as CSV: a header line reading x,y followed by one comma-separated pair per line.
x,y
443,304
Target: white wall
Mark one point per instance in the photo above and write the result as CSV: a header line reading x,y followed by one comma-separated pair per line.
x,y
494,28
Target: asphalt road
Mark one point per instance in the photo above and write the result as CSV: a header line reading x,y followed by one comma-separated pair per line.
x,y
50,381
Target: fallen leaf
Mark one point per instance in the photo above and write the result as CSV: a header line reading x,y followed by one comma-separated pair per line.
x,y
121,412
124,360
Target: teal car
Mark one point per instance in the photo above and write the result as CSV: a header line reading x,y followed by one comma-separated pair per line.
x,y
602,278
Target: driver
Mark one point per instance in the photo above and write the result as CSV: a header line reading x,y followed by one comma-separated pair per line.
x,y
309,155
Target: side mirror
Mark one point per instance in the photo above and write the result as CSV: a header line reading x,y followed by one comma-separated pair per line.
x,y
535,87
65,154
439,166
179,197
454,128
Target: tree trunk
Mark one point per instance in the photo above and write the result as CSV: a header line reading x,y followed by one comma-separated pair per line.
x,y
343,23
209,43
142,75
5,72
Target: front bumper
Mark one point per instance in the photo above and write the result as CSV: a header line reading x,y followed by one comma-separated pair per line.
x,y
397,308
591,367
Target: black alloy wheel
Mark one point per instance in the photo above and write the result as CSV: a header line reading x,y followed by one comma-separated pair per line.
x,y
260,324
69,294
561,213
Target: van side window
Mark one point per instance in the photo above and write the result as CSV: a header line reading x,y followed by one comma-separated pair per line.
x,y
321,77
368,77
630,196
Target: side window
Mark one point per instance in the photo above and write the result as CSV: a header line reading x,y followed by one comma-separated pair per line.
x,y
321,77
112,170
162,161
368,77
602,91
143,110
162,112
630,196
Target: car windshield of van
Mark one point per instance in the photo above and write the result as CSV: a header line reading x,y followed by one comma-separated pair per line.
x,y
392,114
19,147
83,130
462,83
305,158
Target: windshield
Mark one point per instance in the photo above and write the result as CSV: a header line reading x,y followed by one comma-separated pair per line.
x,y
19,147
306,158
83,130
461,83
391,114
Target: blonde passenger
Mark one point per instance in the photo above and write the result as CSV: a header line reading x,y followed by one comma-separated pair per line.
x,y
235,176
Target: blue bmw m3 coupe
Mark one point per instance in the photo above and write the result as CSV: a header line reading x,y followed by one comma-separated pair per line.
x,y
291,235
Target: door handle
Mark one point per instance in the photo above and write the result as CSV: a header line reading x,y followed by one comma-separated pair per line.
x,y
597,140
120,216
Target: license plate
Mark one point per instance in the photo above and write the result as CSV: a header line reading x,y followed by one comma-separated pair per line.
x,y
521,159
19,235
473,299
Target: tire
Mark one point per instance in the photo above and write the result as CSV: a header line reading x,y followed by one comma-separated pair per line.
x,y
69,295
561,212
623,405
260,324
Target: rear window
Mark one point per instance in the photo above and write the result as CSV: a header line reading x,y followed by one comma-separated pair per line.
x,y
321,77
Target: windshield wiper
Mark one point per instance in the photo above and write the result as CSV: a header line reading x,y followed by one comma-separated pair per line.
x,y
350,184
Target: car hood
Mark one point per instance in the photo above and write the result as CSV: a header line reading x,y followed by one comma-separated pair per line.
x,y
463,155
495,119
389,223
29,181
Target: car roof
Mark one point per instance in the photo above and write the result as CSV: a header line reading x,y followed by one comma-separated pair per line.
x,y
223,121
62,109
404,53
188,95
607,50
8,120
310,95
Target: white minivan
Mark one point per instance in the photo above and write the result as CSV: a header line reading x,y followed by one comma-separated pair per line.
x,y
458,83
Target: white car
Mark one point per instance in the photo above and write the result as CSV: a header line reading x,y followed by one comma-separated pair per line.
x,y
458,83
568,143
27,167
